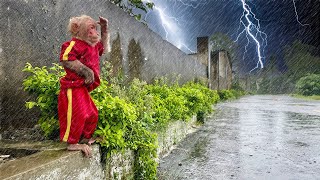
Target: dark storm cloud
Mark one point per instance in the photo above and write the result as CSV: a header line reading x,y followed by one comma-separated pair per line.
x,y
277,19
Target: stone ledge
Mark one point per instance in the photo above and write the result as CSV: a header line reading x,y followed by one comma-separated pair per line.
x,y
54,162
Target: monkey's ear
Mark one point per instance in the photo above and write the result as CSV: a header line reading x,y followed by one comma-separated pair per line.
x,y
74,26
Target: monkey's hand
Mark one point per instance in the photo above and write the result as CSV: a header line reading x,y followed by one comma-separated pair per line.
x,y
88,75
103,22
80,69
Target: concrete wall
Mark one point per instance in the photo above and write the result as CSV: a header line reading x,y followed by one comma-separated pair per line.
x,y
33,31
221,70
225,72
203,51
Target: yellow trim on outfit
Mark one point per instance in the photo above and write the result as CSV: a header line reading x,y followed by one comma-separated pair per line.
x,y
67,51
69,115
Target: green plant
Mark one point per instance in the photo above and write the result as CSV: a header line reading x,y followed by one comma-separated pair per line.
x,y
157,104
199,99
160,92
176,105
226,94
309,85
119,128
44,83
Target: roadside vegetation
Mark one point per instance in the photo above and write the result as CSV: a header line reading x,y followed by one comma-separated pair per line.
x,y
129,113
308,87
314,97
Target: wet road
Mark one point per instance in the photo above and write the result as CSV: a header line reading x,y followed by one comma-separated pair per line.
x,y
255,137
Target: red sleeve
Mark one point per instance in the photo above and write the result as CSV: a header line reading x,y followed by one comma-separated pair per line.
x,y
68,51
100,48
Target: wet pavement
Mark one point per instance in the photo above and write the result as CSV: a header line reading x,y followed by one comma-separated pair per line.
x,y
255,137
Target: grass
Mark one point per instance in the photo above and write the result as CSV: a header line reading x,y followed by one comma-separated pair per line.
x,y
313,97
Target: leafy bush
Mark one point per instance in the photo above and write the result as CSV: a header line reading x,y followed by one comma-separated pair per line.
x,y
128,115
226,94
199,99
230,94
167,104
309,85
44,83
176,105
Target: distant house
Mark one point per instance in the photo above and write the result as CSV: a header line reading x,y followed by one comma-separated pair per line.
x,y
218,63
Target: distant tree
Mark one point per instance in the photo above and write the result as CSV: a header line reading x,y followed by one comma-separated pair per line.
x,y
272,65
271,80
300,60
264,86
220,41
270,69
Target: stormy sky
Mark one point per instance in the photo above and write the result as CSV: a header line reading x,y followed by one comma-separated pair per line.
x,y
182,21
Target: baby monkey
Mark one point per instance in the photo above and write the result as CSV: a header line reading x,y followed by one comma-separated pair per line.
x,y
78,115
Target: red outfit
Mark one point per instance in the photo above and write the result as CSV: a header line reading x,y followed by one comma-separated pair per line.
x,y
78,114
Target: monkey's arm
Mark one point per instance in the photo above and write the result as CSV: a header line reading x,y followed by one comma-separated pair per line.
x,y
104,33
80,69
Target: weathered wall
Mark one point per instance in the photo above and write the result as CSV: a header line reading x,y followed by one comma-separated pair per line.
x,y
33,30
225,72
203,50
2,79
221,70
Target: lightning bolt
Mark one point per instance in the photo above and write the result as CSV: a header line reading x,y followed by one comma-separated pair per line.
x,y
169,26
251,26
190,3
297,16
180,45
169,23
166,24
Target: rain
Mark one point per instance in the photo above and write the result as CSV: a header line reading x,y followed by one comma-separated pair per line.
x,y
273,50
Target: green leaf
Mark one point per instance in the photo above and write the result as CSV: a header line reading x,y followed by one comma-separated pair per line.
x,y
150,5
138,17
30,104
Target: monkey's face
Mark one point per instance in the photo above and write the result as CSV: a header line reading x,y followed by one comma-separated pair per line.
x,y
92,35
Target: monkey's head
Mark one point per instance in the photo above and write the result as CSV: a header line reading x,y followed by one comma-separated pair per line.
x,y
84,28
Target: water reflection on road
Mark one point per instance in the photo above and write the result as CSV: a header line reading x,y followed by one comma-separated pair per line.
x,y
255,137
